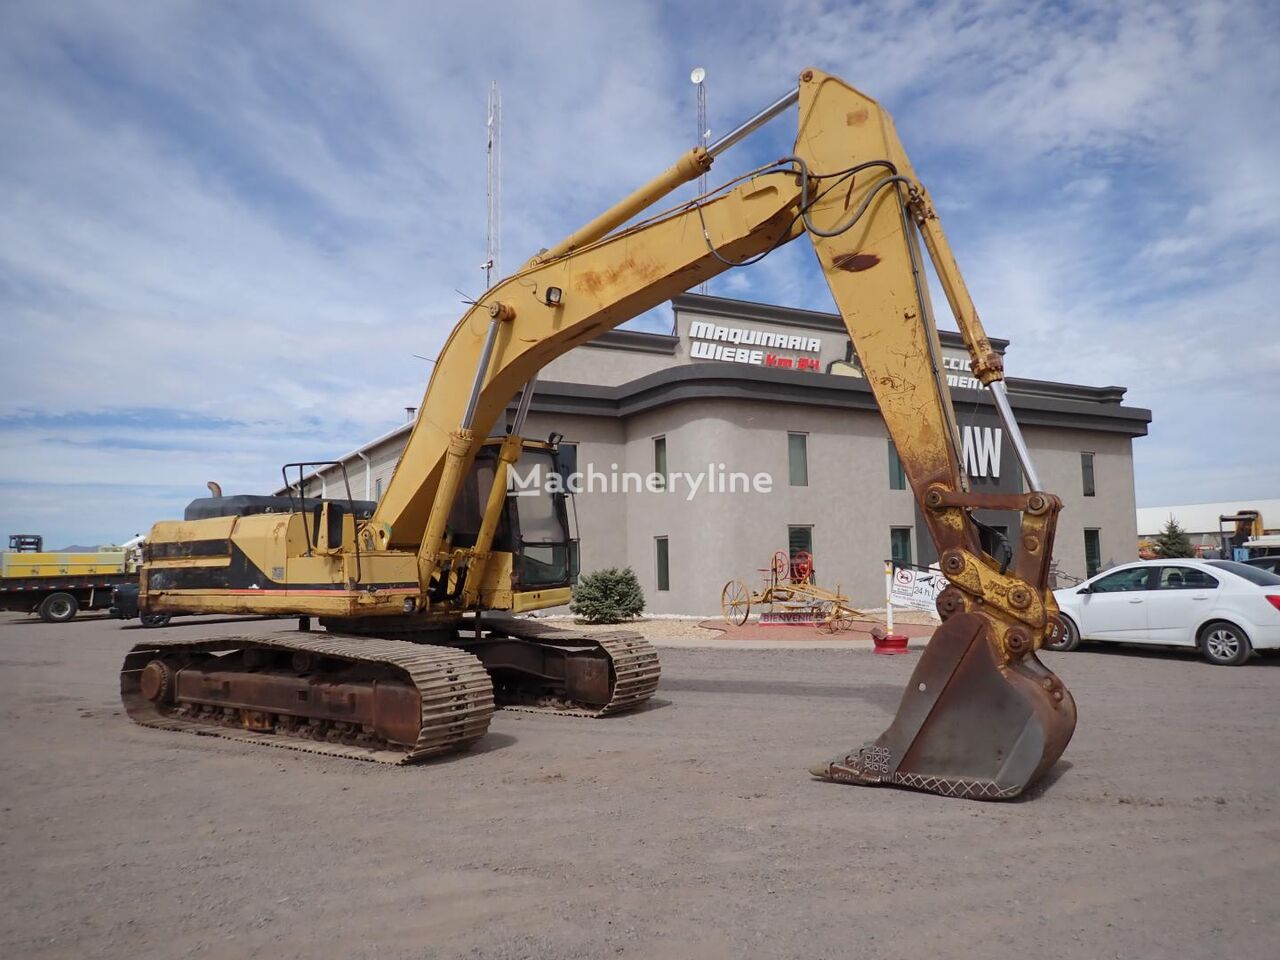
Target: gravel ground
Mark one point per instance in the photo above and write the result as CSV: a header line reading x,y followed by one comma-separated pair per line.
x,y
686,830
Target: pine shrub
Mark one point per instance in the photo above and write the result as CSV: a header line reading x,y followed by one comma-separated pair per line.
x,y
608,596
1173,541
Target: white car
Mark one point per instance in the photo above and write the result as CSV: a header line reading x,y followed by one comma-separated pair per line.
x,y
1222,608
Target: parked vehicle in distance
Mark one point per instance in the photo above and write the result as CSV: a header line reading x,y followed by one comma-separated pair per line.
x,y
1270,564
1224,609
124,606
57,585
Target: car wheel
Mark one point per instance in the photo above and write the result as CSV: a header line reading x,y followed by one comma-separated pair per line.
x,y
1224,644
154,619
58,608
1065,637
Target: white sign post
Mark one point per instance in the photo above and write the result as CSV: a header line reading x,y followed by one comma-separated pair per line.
x,y
888,595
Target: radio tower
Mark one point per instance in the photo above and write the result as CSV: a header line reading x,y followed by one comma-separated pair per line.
x,y
493,186
698,77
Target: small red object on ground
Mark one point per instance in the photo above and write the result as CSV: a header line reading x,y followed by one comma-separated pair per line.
x,y
888,643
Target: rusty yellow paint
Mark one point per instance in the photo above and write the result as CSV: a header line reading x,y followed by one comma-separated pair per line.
x,y
541,599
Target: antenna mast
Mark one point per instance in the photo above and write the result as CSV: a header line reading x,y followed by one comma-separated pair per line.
x,y
698,78
493,186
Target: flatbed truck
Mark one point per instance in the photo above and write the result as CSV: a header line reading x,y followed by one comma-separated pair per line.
x,y
58,585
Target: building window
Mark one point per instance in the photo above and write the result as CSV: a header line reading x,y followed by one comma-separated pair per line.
x,y
900,546
660,465
1086,471
664,562
1092,552
897,476
377,489
799,540
798,457
567,455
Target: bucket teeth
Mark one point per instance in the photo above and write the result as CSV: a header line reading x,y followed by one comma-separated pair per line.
x,y
824,771
967,726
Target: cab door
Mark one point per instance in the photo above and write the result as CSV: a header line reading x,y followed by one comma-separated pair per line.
x,y
1114,607
1183,597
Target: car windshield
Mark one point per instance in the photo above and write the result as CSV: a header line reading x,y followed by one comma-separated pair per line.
x,y
1253,574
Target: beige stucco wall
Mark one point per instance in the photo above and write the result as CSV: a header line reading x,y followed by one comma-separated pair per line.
x,y
716,536
1111,511
603,367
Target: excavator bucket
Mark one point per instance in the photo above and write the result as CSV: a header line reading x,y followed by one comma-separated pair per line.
x,y
966,727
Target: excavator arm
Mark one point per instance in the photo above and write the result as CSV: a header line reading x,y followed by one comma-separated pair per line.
x,y
981,717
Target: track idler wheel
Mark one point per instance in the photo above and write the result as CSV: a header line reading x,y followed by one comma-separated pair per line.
x,y
157,682
967,727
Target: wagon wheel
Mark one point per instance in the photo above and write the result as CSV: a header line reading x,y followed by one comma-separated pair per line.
x,y
830,622
781,566
839,620
801,567
735,602
843,616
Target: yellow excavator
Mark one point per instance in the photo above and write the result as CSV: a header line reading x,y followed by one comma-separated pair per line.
x,y
417,593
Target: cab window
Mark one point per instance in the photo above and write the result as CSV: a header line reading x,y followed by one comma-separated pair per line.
x,y
1185,578
1122,581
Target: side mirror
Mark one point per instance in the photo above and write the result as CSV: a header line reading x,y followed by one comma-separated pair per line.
x,y
1084,590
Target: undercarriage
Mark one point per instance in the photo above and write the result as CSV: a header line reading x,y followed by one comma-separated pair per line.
x,y
380,699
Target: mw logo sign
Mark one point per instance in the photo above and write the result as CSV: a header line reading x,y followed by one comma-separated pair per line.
x,y
980,451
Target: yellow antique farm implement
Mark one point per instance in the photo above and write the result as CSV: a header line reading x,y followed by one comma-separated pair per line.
x,y
791,597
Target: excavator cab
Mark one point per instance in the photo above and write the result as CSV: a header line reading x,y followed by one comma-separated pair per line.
x,y
534,523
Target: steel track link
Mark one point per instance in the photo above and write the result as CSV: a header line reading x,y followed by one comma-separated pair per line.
x,y
634,664
456,693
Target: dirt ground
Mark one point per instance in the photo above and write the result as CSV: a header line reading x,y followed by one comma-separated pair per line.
x,y
687,830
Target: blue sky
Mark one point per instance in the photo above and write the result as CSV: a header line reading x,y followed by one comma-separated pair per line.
x,y
227,228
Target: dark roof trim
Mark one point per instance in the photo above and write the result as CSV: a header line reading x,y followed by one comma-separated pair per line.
x,y
790,316
639,341
704,381
1051,388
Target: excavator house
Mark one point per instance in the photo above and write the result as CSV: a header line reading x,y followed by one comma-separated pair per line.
x,y
408,635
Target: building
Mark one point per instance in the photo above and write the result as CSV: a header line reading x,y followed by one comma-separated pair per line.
x,y
1203,523
748,388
